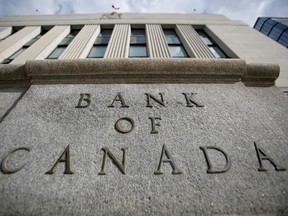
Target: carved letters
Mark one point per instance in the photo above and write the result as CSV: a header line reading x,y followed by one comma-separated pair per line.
x,y
64,158
165,157
125,125
209,164
120,166
85,100
169,160
122,130
3,165
262,156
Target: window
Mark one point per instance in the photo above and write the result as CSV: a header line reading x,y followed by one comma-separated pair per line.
x,y
63,45
175,47
22,49
267,26
213,47
138,44
260,22
284,39
277,31
100,45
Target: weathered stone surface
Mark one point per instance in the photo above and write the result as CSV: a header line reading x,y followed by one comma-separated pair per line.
x,y
13,76
127,70
233,117
8,98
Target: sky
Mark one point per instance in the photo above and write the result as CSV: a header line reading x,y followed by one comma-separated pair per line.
x,y
245,10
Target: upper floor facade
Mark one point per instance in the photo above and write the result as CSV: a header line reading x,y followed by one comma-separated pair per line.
x,y
124,36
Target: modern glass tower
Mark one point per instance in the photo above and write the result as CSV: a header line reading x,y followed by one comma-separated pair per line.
x,y
274,27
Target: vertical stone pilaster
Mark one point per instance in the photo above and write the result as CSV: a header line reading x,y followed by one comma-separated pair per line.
x,y
82,43
118,46
5,31
156,42
44,46
15,42
192,42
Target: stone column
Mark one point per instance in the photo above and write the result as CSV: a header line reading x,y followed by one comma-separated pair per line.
x,y
156,42
15,42
118,46
192,42
44,46
82,43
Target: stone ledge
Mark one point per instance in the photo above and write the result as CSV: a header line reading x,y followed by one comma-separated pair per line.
x,y
260,74
135,66
140,71
13,76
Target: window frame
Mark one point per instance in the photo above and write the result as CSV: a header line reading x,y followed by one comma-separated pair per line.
x,y
138,44
203,35
23,48
102,44
174,44
65,42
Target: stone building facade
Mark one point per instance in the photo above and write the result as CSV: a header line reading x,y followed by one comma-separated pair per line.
x,y
141,114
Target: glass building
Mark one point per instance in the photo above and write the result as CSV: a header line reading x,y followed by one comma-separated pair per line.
x,y
274,27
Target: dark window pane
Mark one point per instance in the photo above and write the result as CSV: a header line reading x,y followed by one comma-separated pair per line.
x,y
29,43
106,32
177,51
283,20
6,61
138,36
16,54
97,52
137,51
56,53
170,32
171,37
217,52
276,31
66,41
137,32
268,26
102,40
73,33
214,48
69,38
103,37
138,39
259,23
204,37
284,39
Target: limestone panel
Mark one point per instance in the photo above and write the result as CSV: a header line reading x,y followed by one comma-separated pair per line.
x,y
82,43
157,46
193,44
120,18
118,46
251,46
9,98
15,42
52,125
44,46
